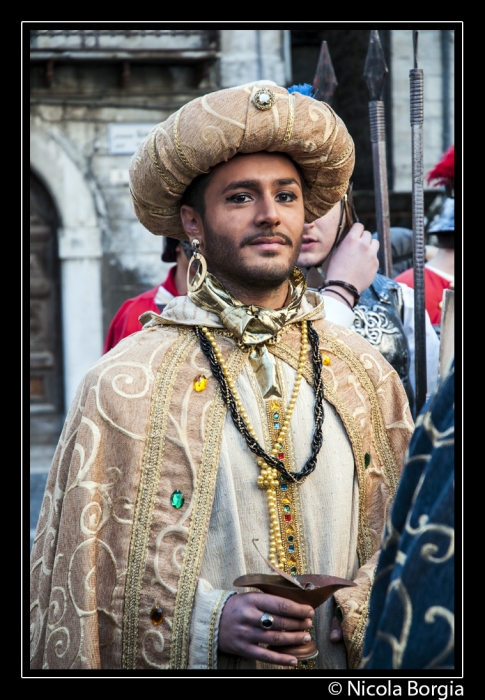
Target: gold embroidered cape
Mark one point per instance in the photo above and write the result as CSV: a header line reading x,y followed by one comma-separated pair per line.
x,y
110,545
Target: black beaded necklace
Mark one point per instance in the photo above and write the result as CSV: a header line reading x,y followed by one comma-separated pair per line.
x,y
239,422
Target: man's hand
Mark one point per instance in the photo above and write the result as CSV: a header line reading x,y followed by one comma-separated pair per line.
x,y
241,634
355,259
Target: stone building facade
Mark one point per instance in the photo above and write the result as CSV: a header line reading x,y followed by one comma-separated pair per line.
x,y
95,94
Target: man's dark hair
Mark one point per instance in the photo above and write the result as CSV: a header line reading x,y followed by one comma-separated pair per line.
x,y
446,240
194,195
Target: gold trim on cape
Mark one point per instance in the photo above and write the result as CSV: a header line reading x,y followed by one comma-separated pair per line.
x,y
150,476
204,496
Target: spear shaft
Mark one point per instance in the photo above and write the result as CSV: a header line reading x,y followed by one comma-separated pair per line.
x,y
375,71
416,104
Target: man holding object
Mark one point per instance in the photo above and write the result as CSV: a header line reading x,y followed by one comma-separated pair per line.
x,y
237,415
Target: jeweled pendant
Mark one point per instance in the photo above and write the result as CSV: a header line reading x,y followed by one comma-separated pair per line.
x,y
200,382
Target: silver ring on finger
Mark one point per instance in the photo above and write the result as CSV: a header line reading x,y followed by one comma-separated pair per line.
x,y
266,622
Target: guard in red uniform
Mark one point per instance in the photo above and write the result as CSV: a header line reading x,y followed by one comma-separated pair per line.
x,y
125,321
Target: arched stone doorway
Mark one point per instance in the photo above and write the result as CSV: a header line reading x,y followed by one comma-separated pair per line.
x,y
46,356
74,192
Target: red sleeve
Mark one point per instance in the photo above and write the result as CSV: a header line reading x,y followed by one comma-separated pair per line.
x,y
126,320
406,277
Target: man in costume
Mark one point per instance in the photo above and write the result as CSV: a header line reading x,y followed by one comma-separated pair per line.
x,y
238,423
440,270
126,320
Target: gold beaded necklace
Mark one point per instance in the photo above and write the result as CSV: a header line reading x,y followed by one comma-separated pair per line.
x,y
268,478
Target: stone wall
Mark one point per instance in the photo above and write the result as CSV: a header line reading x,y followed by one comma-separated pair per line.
x,y
106,255
431,56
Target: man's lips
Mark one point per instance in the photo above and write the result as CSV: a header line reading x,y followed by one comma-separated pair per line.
x,y
268,242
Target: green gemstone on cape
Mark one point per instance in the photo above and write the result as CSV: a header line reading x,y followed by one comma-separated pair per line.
x,y
366,459
177,499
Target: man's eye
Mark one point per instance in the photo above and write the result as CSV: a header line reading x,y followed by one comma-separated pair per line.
x,y
287,196
239,198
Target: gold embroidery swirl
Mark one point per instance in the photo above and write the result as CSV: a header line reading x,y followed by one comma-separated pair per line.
x,y
380,437
154,156
179,149
204,496
290,122
150,476
155,212
344,155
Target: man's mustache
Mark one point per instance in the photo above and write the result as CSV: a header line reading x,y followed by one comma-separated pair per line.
x,y
248,240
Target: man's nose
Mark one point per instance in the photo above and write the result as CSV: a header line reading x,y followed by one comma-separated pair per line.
x,y
267,214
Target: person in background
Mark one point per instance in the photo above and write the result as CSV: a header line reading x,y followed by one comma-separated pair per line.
x,y
384,312
126,320
339,259
439,272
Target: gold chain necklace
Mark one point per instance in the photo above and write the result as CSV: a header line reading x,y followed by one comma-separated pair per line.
x,y
268,477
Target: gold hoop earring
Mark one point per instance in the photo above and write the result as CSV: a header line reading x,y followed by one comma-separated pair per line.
x,y
199,277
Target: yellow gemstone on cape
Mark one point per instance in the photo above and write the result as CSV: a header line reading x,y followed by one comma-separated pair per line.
x,y
326,360
200,382
275,407
156,615
285,500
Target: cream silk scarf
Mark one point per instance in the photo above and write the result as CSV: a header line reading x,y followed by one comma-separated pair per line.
x,y
252,325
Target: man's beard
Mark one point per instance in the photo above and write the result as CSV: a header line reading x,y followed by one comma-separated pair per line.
x,y
227,264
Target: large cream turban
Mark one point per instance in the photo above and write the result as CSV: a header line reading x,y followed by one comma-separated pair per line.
x,y
212,129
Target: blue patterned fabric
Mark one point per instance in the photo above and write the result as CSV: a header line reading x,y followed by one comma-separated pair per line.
x,y
411,609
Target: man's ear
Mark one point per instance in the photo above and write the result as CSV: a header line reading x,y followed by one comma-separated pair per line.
x,y
192,222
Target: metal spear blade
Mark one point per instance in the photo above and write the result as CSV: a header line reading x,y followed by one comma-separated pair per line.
x,y
324,81
375,69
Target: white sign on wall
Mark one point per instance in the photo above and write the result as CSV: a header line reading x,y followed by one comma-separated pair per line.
x,y
124,139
